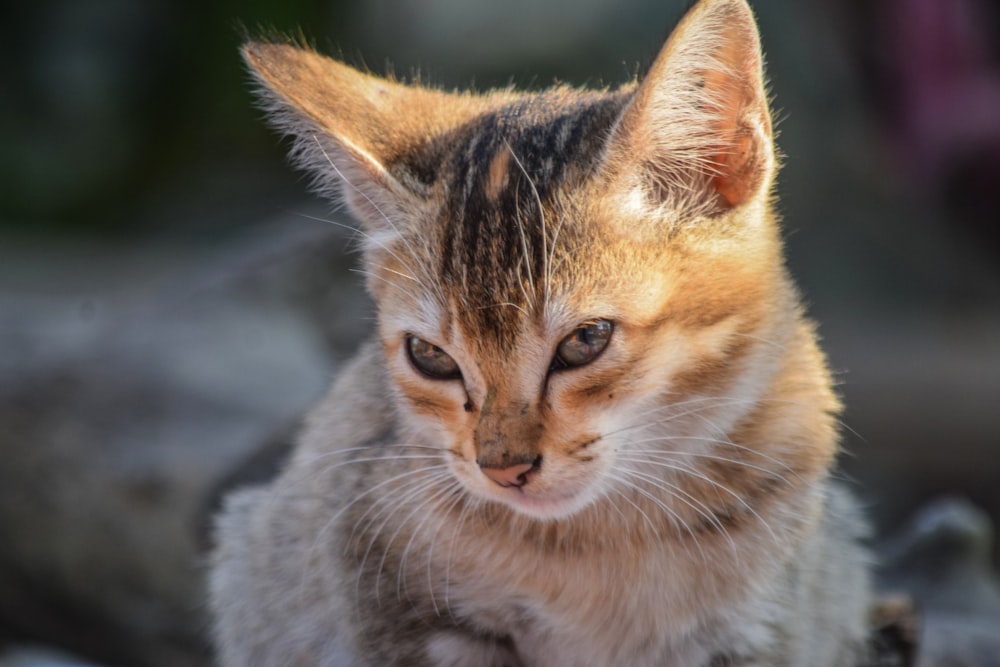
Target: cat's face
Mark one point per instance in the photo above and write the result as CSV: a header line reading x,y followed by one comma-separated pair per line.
x,y
566,282
538,375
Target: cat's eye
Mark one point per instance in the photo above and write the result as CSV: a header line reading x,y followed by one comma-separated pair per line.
x,y
431,360
583,345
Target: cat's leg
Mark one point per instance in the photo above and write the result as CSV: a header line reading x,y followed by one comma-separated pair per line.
x,y
270,609
456,649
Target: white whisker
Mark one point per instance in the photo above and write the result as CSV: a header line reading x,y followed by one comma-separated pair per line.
x,y
678,466
470,502
457,494
504,304
683,496
431,501
410,493
716,457
520,223
549,264
663,506
430,279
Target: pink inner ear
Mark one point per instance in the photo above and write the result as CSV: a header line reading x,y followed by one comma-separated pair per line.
x,y
740,165
743,121
698,130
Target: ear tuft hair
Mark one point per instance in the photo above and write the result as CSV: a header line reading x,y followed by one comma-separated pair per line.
x,y
360,136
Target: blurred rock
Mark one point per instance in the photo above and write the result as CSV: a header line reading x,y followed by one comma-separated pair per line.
x,y
943,560
31,656
125,413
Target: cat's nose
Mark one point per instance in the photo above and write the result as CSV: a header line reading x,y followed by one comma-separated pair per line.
x,y
511,476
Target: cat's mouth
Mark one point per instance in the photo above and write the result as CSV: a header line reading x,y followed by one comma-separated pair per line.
x,y
546,492
541,498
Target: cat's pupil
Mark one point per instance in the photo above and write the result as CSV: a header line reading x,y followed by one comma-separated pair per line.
x,y
583,345
431,360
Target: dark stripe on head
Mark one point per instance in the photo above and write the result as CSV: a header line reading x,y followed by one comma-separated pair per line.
x,y
512,167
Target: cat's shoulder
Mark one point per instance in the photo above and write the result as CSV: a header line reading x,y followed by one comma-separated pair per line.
x,y
357,408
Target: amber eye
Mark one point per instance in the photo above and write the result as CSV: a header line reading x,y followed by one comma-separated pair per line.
x,y
583,345
431,360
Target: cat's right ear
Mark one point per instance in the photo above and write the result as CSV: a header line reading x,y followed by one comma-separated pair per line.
x,y
360,136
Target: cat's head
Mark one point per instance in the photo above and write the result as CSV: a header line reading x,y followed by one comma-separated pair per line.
x,y
557,274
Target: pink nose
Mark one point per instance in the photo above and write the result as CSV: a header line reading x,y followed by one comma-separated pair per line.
x,y
515,475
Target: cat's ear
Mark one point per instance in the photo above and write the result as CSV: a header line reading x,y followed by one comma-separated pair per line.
x,y
362,137
697,132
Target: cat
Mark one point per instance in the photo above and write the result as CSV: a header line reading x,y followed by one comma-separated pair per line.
x,y
594,427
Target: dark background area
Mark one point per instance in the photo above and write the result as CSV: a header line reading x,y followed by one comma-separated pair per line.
x,y
171,299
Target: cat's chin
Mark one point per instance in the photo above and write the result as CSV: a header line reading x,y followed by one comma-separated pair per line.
x,y
549,495
543,506
548,508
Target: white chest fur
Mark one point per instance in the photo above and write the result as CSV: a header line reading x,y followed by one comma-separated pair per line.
x,y
646,606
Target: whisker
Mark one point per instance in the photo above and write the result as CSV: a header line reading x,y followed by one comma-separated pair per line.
x,y
362,233
457,494
680,494
383,506
501,304
391,283
663,506
413,491
549,262
760,339
704,404
679,467
520,221
368,459
623,496
402,237
358,498
716,457
429,501
319,538
470,502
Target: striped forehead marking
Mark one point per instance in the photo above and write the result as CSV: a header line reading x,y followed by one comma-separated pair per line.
x,y
506,177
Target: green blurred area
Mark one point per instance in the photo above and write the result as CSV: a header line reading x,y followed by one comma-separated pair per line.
x,y
114,109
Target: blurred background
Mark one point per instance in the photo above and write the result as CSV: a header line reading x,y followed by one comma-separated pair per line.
x,y
171,297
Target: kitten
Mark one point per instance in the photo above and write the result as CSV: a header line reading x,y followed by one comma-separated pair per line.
x,y
595,427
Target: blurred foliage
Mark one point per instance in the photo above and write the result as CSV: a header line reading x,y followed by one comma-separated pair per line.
x,y
107,102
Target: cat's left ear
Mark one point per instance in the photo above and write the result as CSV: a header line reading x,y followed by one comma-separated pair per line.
x,y
698,132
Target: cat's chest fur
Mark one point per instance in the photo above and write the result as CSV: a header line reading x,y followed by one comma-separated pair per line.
x,y
593,611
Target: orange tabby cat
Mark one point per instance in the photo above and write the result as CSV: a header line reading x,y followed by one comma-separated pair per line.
x,y
595,428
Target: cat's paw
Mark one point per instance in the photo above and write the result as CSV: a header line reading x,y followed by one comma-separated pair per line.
x,y
455,649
